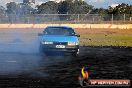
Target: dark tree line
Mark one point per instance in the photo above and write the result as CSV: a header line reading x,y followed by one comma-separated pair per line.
x,y
64,7
120,9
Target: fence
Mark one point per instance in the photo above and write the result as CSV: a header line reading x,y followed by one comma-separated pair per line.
x,y
67,18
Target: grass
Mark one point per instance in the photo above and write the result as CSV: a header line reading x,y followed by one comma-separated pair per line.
x,y
89,37
105,39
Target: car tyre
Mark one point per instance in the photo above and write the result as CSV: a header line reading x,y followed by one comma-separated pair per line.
x,y
76,54
40,49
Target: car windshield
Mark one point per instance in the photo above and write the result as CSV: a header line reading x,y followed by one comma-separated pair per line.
x,y
59,31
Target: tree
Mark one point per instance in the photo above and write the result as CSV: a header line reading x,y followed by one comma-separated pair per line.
x,y
100,11
25,9
16,11
19,9
64,7
120,10
49,7
2,14
2,11
12,8
74,7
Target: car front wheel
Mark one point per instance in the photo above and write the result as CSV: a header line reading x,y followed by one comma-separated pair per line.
x,y
40,49
76,54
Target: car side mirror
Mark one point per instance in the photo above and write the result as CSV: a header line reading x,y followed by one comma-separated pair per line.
x,y
78,35
40,34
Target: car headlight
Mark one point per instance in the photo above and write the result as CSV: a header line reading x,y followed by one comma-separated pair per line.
x,y
73,43
47,42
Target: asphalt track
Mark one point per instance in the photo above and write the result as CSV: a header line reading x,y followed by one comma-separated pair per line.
x,y
22,66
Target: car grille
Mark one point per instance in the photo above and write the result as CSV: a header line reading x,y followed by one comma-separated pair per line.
x,y
60,43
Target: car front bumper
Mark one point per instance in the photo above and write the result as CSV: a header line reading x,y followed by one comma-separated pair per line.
x,y
52,48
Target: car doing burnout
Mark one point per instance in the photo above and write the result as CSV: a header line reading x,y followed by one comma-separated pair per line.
x,y
59,39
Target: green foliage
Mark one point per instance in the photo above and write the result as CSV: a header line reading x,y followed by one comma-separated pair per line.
x,y
49,7
2,11
69,7
64,7
80,7
11,8
120,9
100,11
18,9
2,14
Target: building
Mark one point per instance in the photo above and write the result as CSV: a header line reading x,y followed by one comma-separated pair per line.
x,y
29,1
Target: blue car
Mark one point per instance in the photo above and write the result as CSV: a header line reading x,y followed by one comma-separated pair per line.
x,y
59,39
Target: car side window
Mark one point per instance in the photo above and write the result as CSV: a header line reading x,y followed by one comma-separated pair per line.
x,y
46,31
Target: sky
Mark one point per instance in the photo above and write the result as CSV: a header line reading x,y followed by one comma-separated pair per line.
x,y
95,3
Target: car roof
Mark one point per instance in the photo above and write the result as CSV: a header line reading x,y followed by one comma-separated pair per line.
x,y
64,27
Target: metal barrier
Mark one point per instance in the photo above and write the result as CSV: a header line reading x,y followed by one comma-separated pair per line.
x,y
67,19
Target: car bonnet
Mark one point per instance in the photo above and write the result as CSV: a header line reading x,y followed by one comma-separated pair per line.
x,y
59,38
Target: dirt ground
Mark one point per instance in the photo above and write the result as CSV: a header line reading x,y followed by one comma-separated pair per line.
x,y
89,37
105,37
22,66
100,31
103,63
